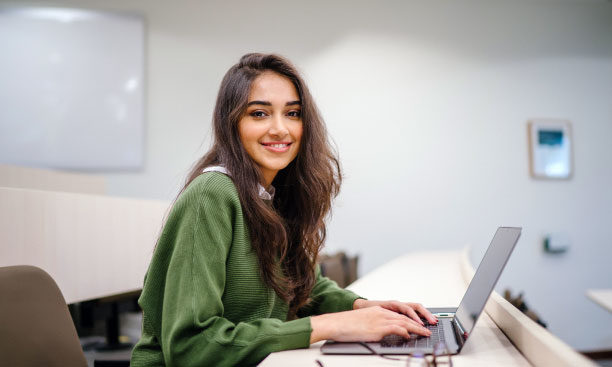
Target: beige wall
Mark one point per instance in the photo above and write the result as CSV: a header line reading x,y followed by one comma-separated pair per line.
x,y
53,180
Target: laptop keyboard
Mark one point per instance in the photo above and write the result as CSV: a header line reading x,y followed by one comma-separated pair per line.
x,y
416,341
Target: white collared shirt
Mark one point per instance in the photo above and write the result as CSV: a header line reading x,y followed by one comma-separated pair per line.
x,y
263,193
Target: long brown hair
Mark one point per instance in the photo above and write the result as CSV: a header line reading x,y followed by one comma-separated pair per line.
x,y
292,230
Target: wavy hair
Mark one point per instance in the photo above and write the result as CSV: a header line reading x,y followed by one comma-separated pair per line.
x,y
292,230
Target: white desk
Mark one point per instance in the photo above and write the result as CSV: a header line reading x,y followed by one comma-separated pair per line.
x,y
404,279
522,342
602,297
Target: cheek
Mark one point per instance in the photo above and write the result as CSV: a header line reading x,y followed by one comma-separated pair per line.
x,y
247,133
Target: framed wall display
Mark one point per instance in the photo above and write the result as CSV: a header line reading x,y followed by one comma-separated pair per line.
x,y
72,88
550,148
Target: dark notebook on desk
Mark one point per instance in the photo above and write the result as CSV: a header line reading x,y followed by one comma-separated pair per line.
x,y
454,325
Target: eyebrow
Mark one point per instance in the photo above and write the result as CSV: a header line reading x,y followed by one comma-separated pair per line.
x,y
266,103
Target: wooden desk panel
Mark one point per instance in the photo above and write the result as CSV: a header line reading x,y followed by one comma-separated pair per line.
x,y
51,180
92,245
602,297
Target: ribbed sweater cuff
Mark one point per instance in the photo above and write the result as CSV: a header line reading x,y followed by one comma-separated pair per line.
x,y
348,300
296,334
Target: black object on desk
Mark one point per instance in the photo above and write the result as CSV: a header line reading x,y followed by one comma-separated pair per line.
x,y
86,314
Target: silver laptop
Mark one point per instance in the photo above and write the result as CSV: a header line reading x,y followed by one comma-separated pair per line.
x,y
454,324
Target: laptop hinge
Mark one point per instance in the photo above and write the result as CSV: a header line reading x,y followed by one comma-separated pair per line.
x,y
460,334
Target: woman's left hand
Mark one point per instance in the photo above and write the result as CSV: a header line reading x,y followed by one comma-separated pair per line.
x,y
412,310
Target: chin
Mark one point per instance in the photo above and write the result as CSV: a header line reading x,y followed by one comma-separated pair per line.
x,y
276,167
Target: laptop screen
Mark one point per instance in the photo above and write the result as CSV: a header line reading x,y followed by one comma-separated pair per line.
x,y
486,276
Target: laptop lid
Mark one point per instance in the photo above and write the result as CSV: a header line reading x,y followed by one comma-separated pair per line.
x,y
484,280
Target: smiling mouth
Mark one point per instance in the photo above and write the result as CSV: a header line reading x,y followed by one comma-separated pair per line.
x,y
275,147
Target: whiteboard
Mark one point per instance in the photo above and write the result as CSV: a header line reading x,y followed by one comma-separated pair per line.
x,y
71,88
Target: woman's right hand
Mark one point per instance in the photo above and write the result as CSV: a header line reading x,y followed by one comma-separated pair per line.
x,y
366,324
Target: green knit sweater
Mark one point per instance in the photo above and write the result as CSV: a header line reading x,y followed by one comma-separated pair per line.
x,y
203,300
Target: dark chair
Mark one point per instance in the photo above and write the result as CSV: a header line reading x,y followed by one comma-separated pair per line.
x,y
35,325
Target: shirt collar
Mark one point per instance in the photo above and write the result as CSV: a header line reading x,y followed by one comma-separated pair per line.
x,y
263,193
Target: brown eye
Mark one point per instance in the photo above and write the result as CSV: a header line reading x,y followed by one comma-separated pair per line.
x,y
294,113
258,113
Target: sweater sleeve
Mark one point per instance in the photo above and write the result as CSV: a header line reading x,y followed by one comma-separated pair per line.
x,y
326,296
193,331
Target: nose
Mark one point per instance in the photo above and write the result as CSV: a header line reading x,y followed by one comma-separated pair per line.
x,y
278,127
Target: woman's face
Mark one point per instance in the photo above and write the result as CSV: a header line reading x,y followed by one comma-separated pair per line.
x,y
271,128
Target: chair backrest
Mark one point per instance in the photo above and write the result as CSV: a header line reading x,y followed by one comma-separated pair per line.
x,y
339,267
35,325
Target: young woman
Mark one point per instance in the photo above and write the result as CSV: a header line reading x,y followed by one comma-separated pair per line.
x,y
234,275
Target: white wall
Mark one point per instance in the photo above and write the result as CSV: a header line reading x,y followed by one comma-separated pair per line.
x,y
428,103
